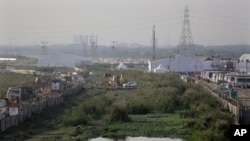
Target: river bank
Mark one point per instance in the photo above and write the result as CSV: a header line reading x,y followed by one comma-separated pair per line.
x,y
161,106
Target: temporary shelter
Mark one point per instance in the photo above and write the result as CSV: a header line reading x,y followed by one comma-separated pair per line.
x,y
243,64
180,63
122,66
160,69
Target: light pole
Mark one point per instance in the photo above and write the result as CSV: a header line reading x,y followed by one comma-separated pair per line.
x,y
196,63
246,83
224,73
218,65
247,61
238,70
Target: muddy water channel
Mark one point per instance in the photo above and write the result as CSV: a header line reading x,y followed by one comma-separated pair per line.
x,y
137,139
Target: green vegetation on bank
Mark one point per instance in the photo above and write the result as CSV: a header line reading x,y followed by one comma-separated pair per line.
x,y
162,106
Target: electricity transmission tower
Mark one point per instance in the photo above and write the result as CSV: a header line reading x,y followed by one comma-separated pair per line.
x,y
186,40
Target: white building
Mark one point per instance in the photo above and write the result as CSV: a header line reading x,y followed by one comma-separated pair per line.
x,y
243,64
180,64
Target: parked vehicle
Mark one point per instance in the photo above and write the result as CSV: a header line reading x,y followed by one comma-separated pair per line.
x,y
224,85
130,84
223,88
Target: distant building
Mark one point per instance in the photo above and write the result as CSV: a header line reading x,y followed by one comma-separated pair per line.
x,y
7,59
17,61
180,63
160,69
64,60
243,64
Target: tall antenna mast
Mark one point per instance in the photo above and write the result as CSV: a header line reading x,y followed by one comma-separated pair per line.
x,y
153,42
186,40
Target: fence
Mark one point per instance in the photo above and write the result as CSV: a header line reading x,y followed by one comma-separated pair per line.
x,y
27,109
227,102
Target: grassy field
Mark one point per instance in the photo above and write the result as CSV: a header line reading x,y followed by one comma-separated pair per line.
x,y
162,106
13,80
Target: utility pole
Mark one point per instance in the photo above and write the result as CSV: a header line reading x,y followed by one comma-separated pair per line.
x,y
93,44
113,47
153,42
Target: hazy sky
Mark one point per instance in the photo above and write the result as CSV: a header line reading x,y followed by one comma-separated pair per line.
x,y
213,22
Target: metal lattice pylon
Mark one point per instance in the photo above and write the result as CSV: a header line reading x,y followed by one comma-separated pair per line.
x,y
186,39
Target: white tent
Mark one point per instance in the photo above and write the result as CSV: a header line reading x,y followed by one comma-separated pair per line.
x,y
243,65
180,63
122,66
160,69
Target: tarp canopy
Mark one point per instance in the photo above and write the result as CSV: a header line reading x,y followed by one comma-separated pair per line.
x,y
122,66
180,63
243,64
160,69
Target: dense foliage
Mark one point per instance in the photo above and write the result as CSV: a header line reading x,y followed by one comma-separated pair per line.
x,y
157,93
161,106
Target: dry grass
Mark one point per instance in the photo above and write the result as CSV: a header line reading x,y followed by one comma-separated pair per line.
x,y
13,80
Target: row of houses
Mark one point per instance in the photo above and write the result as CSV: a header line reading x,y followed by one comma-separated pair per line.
x,y
233,78
234,72
181,63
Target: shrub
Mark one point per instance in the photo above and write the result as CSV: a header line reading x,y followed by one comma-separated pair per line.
x,y
75,119
119,113
96,107
166,106
201,135
188,113
138,107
